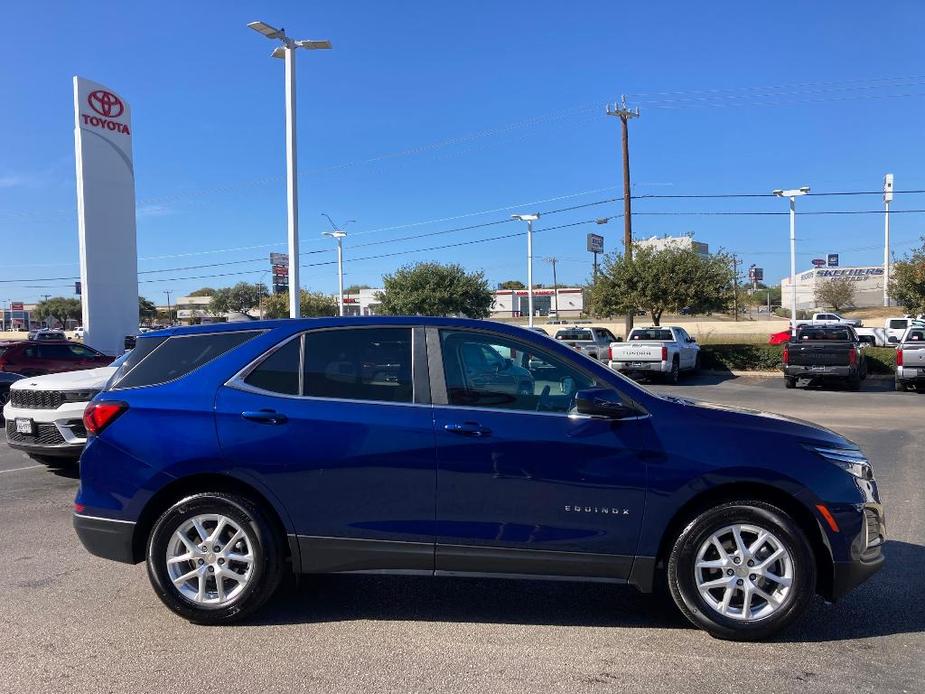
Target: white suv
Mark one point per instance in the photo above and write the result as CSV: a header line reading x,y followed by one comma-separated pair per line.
x,y
44,414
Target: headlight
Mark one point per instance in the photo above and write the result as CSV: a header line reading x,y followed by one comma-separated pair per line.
x,y
78,395
851,460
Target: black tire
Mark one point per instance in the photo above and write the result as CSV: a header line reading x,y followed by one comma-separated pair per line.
x,y
681,576
790,382
900,387
672,376
854,382
262,538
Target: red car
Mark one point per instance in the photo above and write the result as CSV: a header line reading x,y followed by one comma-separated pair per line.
x,y
780,338
30,358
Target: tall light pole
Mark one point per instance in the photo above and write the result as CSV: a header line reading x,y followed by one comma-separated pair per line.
x,y
339,235
887,199
793,195
287,52
529,219
552,260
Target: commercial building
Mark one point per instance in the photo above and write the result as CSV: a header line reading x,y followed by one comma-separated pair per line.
x,y
17,316
660,243
361,303
867,279
514,302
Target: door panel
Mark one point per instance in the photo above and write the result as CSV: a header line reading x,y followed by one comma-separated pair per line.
x,y
527,491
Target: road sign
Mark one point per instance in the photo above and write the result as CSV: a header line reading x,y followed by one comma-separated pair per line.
x,y
756,274
832,260
16,306
595,243
279,259
819,262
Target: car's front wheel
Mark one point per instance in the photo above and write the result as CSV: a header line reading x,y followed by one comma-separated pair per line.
x,y
742,570
214,558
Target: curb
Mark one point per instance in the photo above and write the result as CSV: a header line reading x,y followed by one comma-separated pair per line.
x,y
775,374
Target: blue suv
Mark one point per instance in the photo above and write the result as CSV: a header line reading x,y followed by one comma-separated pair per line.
x,y
228,455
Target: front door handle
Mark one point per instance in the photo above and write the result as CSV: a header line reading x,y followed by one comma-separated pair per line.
x,y
265,417
467,429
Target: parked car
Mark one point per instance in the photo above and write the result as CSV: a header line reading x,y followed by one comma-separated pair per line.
x,y
281,456
36,358
6,380
824,352
44,414
875,337
781,337
830,319
663,351
589,340
910,359
896,327
79,332
46,335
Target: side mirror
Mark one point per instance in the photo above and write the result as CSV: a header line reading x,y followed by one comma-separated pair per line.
x,y
692,339
602,402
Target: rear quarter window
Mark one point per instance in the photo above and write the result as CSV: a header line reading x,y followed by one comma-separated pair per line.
x,y
159,360
574,335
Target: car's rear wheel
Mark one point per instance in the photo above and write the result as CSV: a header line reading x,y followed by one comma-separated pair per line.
x,y
673,375
790,382
900,387
742,571
214,558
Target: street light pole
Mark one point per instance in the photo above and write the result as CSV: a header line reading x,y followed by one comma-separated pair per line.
x,y
287,52
887,199
793,195
529,219
339,236
552,260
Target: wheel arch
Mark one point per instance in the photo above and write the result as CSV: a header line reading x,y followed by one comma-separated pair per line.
x,y
207,482
800,514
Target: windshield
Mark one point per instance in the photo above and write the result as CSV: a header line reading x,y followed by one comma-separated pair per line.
x,y
651,334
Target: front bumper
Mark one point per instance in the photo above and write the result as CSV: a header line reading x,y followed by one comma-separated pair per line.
x,y
107,538
58,432
865,551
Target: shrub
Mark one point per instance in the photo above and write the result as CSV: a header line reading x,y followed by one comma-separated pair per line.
x,y
880,360
743,357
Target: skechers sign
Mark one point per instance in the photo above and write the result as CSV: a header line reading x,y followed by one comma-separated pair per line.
x,y
108,106
851,273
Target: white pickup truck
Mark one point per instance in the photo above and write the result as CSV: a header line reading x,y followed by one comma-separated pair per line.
x,y
830,319
663,351
910,359
590,340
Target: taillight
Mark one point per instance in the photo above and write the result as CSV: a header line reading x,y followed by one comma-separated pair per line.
x,y
785,356
100,415
664,352
899,357
853,356
610,353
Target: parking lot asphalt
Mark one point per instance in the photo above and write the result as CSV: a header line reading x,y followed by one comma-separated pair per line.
x,y
72,622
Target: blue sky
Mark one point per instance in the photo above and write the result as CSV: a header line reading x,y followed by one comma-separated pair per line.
x,y
434,112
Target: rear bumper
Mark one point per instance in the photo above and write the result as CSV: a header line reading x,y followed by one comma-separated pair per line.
x,y
105,537
823,372
640,366
910,373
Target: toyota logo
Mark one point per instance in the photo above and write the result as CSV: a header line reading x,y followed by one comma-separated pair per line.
x,y
105,103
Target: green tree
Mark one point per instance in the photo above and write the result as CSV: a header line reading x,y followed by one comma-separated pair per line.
x,y
240,298
204,291
355,288
759,297
662,280
58,309
313,305
146,309
512,284
435,289
837,292
907,281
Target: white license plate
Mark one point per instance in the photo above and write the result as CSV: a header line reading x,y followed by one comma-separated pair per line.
x,y
24,426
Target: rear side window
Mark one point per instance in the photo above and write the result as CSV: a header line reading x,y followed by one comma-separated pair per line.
x,y
279,372
57,352
174,357
359,364
578,334
897,324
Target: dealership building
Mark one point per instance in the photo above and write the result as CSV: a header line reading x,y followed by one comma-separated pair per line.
x,y
514,302
867,279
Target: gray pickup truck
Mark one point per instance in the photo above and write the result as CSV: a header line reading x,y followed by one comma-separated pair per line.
x,y
910,359
824,352
589,340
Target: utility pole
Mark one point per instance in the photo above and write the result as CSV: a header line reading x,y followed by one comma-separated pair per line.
x,y
555,283
167,292
45,297
887,199
735,287
792,195
625,113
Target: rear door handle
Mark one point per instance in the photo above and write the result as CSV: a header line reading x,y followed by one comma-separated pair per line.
x,y
467,429
265,417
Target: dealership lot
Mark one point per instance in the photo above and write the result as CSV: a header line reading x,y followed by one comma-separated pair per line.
x,y
77,622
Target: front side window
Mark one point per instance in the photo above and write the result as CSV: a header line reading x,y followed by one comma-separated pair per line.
x,y
82,352
898,324
359,364
491,371
56,352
